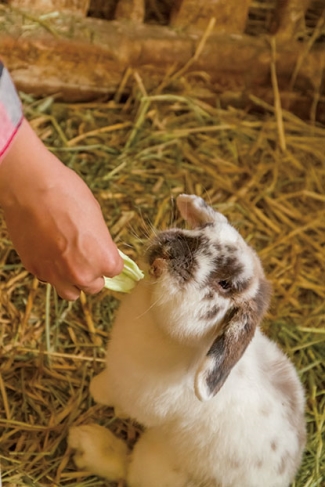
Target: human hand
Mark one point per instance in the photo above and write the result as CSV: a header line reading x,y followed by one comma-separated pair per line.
x,y
53,219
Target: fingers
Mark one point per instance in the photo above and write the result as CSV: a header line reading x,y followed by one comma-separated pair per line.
x,y
70,275
66,291
113,263
71,292
113,270
93,287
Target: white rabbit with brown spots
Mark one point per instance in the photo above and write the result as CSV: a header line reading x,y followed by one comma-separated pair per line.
x,y
221,405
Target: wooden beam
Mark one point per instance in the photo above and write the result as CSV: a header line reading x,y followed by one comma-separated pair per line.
x,y
230,15
133,10
76,6
290,17
81,58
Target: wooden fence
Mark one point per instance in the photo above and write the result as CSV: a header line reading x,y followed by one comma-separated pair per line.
x,y
243,47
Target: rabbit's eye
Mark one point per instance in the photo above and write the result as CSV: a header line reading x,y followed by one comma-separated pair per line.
x,y
224,284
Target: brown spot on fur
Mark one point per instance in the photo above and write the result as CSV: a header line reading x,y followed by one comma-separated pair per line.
x,y
241,285
225,267
258,463
231,249
207,224
233,463
274,445
212,313
217,247
283,464
209,295
265,410
288,464
241,371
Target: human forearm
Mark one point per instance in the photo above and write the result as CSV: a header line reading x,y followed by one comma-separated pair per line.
x,y
55,223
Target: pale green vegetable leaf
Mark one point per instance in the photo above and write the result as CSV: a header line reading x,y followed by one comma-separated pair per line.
x,y
128,278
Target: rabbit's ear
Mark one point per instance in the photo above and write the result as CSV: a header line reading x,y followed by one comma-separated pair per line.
x,y
196,212
238,330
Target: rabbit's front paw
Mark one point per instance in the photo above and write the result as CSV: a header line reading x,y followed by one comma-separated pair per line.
x,y
101,390
98,451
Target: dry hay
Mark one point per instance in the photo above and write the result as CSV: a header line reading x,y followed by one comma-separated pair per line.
x,y
264,170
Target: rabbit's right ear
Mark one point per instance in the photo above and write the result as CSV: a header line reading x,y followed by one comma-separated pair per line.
x,y
196,212
238,330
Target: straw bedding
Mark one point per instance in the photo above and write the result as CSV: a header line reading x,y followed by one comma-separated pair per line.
x,y
264,168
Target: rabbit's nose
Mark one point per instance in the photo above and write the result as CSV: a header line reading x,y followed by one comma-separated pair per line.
x,y
158,266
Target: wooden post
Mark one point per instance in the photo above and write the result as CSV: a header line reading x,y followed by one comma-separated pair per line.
x,y
290,18
130,10
230,15
76,6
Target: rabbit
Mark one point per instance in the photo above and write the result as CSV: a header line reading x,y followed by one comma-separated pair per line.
x,y
220,404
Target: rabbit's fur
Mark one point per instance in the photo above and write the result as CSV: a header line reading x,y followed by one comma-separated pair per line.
x,y
222,406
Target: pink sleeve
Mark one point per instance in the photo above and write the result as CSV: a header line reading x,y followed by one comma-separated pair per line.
x,y
11,114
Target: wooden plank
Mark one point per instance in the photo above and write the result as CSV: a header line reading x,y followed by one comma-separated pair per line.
x,y
81,58
76,6
133,10
230,15
290,17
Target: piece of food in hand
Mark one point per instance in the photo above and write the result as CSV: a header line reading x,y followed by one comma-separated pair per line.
x,y
128,278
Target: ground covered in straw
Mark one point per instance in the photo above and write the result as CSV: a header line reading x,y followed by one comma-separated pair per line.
x,y
137,154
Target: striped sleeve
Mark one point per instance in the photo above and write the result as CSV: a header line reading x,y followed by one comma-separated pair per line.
x,y
10,110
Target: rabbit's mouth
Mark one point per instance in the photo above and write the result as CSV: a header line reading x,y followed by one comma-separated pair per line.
x,y
158,266
158,258
174,252
181,269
